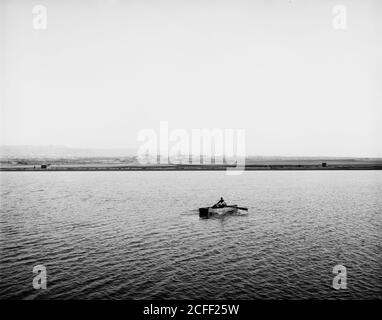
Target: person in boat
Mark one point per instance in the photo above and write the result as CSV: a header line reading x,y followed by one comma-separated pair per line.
x,y
220,204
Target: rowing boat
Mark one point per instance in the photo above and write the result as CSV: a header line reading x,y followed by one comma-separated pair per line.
x,y
211,211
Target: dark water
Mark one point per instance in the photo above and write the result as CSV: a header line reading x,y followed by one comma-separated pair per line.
x,y
137,235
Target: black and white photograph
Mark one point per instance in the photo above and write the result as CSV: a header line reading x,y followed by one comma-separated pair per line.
x,y
161,151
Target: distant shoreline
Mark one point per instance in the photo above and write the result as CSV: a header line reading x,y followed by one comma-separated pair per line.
x,y
264,167
251,164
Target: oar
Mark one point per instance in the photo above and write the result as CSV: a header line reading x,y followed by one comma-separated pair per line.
x,y
241,208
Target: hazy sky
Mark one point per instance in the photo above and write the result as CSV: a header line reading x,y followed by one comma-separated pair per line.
x,y
103,70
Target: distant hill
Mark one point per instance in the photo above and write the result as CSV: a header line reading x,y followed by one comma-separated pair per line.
x,y
63,152
26,152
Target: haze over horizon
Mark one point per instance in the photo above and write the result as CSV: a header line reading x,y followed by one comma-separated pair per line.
x,y
66,151
104,70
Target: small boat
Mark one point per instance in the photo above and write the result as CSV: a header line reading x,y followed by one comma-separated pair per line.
x,y
211,211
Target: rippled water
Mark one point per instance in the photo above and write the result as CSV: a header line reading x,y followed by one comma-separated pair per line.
x,y
137,235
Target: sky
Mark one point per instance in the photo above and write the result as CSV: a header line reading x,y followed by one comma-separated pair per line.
x,y
104,70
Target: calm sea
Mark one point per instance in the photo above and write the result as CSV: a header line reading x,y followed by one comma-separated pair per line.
x,y
137,235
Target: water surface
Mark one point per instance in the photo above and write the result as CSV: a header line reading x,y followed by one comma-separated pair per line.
x,y
137,235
